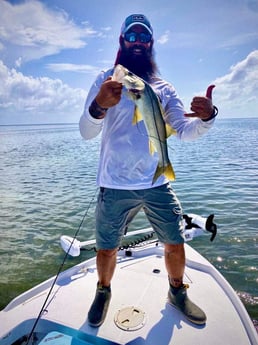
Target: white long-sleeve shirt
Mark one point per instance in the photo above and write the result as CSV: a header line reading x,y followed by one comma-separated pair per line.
x,y
125,161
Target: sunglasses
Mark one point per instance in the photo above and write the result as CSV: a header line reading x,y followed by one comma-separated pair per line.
x,y
134,36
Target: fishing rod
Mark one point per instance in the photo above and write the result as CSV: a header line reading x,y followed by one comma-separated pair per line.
x,y
73,240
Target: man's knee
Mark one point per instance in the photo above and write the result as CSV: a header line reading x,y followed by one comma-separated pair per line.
x,y
174,248
107,252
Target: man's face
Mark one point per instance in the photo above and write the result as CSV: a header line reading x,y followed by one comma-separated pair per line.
x,y
136,52
137,41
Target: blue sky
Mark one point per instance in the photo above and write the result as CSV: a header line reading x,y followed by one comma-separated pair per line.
x,y
51,51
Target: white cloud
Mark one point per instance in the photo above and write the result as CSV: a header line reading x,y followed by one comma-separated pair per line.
x,y
38,31
164,38
237,91
107,28
20,94
18,62
238,40
68,67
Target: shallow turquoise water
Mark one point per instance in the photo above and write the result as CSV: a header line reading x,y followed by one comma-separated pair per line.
x,y
47,181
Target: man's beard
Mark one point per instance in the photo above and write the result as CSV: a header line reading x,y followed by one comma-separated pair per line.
x,y
143,65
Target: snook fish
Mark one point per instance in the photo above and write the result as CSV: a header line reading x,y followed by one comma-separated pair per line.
x,y
148,108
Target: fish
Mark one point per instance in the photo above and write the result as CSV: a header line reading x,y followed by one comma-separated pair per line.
x,y
148,109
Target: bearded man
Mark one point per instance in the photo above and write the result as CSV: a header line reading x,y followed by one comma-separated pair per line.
x,y
126,168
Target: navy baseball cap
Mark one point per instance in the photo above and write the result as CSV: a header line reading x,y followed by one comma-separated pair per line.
x,y
136,19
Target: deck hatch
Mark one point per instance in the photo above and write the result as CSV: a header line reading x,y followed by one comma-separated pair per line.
x,y
130,318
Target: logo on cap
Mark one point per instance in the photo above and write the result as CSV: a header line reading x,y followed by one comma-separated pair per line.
x,y
137,17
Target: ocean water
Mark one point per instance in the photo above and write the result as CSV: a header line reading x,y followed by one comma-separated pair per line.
x,y
47,184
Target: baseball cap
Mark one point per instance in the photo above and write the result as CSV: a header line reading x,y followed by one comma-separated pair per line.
x,y
136,19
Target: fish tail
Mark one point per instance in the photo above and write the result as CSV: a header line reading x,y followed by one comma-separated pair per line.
x,y
168,171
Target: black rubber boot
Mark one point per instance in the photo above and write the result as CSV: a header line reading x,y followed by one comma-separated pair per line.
x,y
179,299
99,307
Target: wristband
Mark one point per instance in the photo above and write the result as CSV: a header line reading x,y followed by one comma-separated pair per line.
x,y
213,115
96,110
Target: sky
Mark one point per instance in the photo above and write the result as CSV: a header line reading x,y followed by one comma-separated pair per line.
x,y
51,51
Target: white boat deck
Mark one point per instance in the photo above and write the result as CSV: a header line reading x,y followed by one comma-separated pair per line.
x,y
140,282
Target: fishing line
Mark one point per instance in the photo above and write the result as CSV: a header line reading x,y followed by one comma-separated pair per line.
x,y
60,268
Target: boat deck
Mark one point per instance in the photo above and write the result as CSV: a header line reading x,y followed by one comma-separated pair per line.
x,y
138,305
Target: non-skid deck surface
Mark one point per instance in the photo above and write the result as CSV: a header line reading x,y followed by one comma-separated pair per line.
x,y
142,284
136,284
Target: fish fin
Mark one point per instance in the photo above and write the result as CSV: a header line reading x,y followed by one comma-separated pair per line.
x,y
168,172
152,148
169,130
137,117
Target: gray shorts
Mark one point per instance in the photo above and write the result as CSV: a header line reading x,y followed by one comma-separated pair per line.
x,y
116,209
